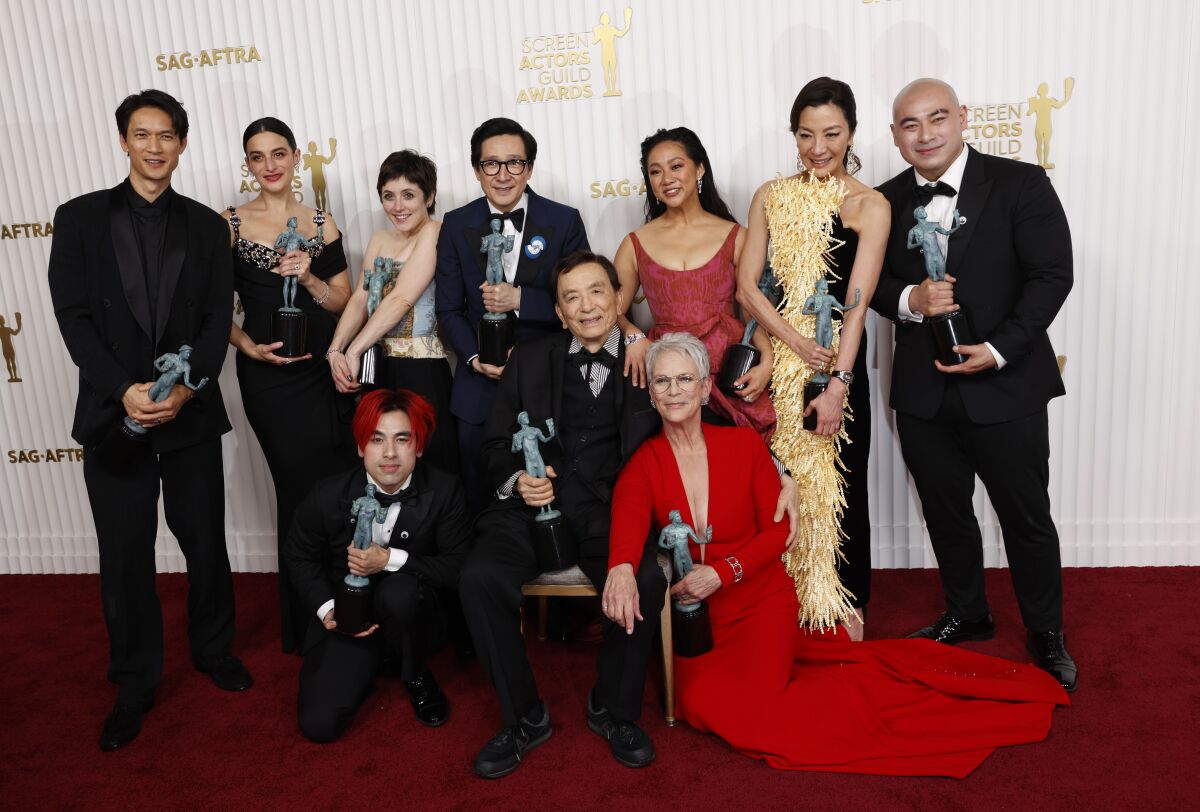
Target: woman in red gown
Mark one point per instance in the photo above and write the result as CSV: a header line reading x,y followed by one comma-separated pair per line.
x,y
797,700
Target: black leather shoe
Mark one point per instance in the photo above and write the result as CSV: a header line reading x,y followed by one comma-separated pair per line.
x,y
504,752
1049,650
431,705
629,743
123,725
227,673
952,630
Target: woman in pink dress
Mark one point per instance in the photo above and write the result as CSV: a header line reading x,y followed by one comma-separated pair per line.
x,y
685,260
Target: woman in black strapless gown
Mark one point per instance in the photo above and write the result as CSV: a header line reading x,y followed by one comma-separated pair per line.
x,y
823,119
301,422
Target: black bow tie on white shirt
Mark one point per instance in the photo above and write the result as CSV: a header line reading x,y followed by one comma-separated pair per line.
x,y
404,497
926,192
517,216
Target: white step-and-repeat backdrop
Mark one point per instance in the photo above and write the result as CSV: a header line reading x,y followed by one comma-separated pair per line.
x,y
1114,85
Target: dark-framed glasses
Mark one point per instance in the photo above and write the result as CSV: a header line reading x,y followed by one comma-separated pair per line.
x,y
662,383
515,166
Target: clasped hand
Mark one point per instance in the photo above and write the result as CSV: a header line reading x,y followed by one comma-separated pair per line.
x,y
146,412
537,491
366,562
933,298
697,585
330,623
500,298
296,263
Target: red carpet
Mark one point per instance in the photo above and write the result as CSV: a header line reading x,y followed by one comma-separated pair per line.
x,y
1128,741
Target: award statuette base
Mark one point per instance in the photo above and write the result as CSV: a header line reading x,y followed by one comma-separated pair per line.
x,y
290,327
495,338
552,544
950,330
352,606
123,445
371,365
691,629
813,390
738,361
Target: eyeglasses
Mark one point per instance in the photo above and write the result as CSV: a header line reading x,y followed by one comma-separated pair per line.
x,y
662,383
515,166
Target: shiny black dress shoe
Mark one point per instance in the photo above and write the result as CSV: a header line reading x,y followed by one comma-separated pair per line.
x,y
1049,650
953,630
504,752
227,673
123,725
431,705
629,743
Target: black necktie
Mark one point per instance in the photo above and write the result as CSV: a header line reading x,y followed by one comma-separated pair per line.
x,y
517,216
404,497
926,192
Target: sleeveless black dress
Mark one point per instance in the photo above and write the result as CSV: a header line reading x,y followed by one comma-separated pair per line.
x,y
302,422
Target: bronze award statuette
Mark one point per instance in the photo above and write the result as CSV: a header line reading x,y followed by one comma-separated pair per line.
x,y
821,304
949,329
374,281
741,358
495,329
551,539
691,625
352,600
129,439
289,324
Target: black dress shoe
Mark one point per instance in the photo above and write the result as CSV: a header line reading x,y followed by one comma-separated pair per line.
x,y
504,752
953,630
227,673
431,705
1049,650
123,724
629,743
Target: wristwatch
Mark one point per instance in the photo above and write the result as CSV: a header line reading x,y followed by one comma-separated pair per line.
x,y
634,338
844,376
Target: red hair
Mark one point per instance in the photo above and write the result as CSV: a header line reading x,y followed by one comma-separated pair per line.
x,y
375,404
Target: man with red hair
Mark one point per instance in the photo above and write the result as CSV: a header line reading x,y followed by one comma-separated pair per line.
x,y
420,546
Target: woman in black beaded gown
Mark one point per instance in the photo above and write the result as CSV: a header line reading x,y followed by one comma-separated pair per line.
x,y
823,120
301,422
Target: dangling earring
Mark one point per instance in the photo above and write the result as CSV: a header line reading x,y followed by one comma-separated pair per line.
x,y
853,164
699,186
799,163
704,401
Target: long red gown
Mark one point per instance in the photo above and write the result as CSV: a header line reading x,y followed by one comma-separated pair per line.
x,y
803,701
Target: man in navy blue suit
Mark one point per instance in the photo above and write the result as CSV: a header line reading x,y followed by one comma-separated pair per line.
x,y
502,154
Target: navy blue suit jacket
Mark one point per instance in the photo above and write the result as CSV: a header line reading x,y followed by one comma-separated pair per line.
x,y
460,271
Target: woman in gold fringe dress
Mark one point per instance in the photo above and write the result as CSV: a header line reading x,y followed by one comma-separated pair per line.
x,y
821,223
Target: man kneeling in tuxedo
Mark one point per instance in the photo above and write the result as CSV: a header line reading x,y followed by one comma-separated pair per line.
x,y
420,546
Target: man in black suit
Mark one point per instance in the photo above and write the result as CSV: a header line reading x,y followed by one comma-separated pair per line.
x,y
502,155
1009,267
418,547
135,272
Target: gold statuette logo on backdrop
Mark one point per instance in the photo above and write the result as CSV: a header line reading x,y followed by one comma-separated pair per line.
x,y
6,343
315,163
999,128
561,64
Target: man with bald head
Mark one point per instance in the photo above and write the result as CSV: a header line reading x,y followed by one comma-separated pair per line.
x,y
1009,267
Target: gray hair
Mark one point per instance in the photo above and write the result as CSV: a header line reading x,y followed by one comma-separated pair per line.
x,y
686,345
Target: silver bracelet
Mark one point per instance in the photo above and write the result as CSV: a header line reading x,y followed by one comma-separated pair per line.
x,y
736,566
325,296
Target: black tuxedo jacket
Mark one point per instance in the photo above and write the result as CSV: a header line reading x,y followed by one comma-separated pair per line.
x,y
434,529
461,269
1012,260
99,292
533,382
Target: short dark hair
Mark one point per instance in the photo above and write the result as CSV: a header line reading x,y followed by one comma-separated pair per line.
x,y
501,126
710,198
268,124
152,98
818,93
414,167
584,257
381,401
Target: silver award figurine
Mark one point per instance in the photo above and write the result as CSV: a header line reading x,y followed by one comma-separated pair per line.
x,y
495,329
822,304
289,324
374,282
554,552
949,329
352,601
741,358
691,627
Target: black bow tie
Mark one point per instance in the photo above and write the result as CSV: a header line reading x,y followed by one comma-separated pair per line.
x,y
517,216
404,497
601,356
926,192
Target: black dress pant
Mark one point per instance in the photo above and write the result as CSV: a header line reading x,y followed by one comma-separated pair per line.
x,y
125,510
855,570
490,586
470,442
338,669
1012,459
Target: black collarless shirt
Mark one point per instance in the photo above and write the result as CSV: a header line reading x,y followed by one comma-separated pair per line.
x,y
150,229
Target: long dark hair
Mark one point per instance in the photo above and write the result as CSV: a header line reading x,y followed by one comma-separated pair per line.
x,y
269,124
710,198
818,93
